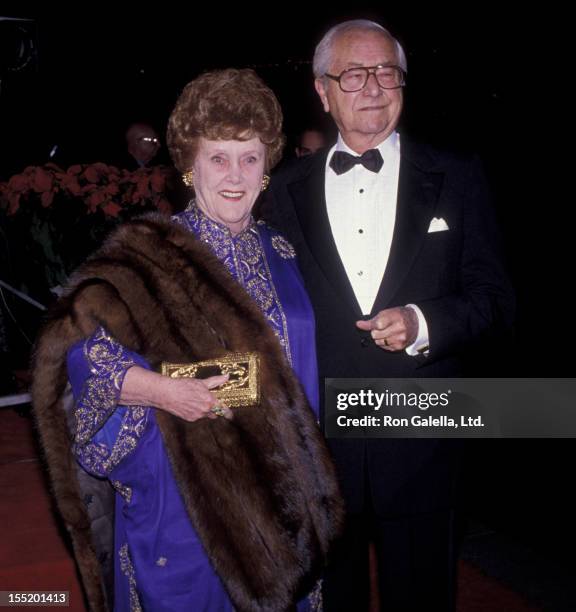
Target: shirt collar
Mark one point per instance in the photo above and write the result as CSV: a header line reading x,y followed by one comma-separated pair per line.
x,y
387,147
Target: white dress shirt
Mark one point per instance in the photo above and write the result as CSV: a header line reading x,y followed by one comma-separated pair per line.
x,y
361,207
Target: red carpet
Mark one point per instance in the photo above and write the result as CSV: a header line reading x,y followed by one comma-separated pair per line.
x,y
33,555
479,593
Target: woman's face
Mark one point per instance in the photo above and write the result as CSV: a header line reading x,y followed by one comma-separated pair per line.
x,y
228,178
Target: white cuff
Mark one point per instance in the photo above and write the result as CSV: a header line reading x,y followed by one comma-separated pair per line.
x,y
420,346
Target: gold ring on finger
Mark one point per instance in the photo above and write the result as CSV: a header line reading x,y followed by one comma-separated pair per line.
x,y
218,410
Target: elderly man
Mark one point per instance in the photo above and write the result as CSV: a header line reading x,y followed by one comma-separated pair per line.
x,y
396,244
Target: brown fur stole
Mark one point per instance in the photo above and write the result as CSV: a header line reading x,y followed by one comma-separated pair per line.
x,y
260,490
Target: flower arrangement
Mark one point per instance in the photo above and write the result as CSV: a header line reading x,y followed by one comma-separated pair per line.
x,y
101,187
56,217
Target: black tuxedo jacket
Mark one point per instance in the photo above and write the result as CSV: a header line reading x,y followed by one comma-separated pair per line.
x,y
455,276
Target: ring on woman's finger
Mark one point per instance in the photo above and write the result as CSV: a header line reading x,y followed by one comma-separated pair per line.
x,y
218,410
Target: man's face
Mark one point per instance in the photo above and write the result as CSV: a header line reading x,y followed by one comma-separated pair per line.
x,y
311,141
371,114
143,142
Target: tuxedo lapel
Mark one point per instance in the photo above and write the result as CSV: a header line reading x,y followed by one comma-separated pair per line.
x,y
308,196
418,191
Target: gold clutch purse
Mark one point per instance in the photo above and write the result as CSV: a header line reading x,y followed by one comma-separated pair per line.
x,y
243,386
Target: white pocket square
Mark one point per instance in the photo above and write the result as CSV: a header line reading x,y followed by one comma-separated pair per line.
x,y
438,225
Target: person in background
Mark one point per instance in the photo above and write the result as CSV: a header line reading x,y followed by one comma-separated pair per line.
x,y
310,141
142,145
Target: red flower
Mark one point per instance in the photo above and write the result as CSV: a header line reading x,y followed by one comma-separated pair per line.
x,y
158,180
91,174
112,189
102,168
41,180
112,209
164,206
96,186
70,184
46,198
13,203
114,175
142,190
18,182
95,199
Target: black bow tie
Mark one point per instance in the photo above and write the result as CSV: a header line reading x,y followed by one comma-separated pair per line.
x,y
342,162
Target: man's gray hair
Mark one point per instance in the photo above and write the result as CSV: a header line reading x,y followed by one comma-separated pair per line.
x,y
323,53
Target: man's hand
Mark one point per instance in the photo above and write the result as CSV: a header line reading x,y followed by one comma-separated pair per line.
x,y
392,329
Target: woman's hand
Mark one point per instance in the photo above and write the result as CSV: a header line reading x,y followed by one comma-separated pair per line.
x,y
190,398
187,398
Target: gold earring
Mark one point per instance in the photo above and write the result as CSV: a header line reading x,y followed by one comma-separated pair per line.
x,y
265,182
188,178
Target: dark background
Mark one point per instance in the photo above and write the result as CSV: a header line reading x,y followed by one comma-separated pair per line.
x,y
477,79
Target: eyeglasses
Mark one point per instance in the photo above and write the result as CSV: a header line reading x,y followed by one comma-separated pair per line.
x,y
355,79
149,139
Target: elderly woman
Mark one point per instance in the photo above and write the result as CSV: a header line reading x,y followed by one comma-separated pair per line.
x,y
216,508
